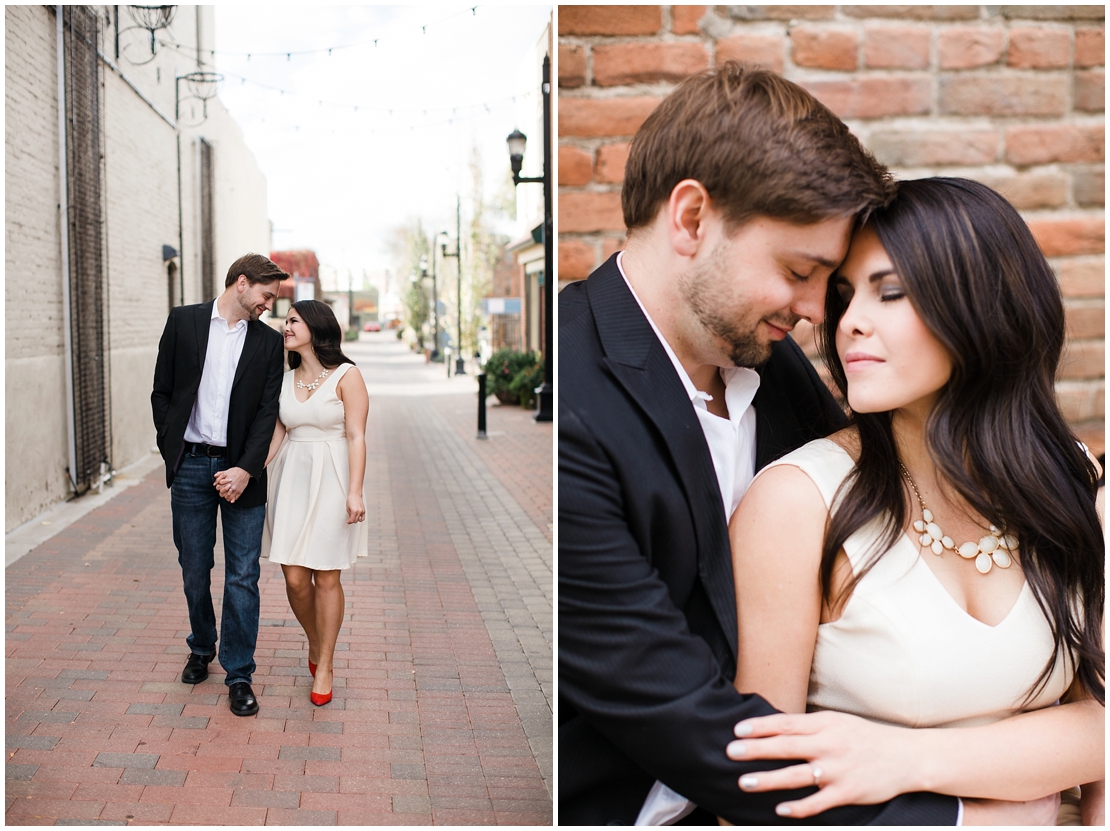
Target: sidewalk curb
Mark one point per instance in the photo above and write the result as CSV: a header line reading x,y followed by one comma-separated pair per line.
x,y
33,533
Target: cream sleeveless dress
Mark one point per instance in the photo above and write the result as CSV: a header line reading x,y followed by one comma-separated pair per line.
x,y
306,510
904,652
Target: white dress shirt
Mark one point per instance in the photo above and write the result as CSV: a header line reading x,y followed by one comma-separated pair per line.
x,y
208,420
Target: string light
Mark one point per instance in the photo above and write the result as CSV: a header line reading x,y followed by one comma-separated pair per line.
x,y
298,52
478,108
390,110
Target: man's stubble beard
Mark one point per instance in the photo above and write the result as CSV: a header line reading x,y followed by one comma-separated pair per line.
x,y
251,312
700,289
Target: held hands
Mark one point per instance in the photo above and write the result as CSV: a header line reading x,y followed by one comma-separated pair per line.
x,y
356,511
231,483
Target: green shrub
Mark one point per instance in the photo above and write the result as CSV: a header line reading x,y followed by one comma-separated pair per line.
x,y
524,383
503,367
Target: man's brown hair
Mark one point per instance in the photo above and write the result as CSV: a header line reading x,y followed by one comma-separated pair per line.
x,y
256,268
761,146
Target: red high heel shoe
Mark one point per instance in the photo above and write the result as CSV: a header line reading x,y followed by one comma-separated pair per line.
x,y
312,668
320,699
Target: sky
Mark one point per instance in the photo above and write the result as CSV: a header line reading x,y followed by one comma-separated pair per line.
x,y
374,135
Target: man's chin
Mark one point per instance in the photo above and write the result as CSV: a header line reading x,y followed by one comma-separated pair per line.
x,y
751,356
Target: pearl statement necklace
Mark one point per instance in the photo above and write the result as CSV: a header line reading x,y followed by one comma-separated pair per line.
x,y
301,385
993,549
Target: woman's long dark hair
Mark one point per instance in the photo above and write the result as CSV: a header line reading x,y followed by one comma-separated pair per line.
x,y
325,332
974,274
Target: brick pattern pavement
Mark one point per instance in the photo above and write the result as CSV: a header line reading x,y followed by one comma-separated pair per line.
x,y
442,708
512,452
506,557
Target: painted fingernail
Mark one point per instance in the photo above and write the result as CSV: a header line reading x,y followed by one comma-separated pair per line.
x,y
735,749
782,810
747,783
741,730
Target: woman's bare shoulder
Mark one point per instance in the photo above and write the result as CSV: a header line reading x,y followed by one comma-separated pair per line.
x,y
351,379
781,497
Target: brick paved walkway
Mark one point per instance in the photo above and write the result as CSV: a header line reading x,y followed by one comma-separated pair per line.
x,y
443,688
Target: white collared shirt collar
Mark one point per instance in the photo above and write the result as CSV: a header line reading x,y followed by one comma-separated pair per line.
x,y
241,324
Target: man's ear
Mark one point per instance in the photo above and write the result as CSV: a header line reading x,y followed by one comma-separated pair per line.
x,y
686,213
242,283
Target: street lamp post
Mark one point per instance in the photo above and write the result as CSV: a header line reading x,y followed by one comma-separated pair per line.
x,y
435,303
545,393
460,368
424,289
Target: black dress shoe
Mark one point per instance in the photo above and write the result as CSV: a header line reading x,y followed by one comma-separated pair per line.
x,y
196,668
243,702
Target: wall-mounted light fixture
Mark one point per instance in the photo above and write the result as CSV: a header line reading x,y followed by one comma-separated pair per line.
x,y
150,19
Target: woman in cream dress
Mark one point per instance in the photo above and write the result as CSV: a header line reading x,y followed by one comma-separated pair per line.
x,y
939,563
315,517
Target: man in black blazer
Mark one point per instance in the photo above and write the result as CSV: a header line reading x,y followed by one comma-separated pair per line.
x,y
740,194
215,403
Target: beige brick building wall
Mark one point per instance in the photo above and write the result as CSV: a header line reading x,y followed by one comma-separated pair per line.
x,y
140,215
34,387
1008,95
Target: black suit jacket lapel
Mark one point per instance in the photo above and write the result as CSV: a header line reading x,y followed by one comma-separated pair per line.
x,y
250,346
640,364
202,324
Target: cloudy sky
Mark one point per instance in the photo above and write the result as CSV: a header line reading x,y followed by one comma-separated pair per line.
x,y
372,135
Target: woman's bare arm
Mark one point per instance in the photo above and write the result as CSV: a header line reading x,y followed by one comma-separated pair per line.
x,y
356,405
776,535
275,442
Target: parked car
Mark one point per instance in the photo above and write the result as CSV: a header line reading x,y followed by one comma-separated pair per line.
x,y
372,326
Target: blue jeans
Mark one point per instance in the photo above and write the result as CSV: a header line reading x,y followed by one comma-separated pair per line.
x,y
194,501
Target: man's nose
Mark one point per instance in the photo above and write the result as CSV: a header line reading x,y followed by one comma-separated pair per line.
x,y
809,302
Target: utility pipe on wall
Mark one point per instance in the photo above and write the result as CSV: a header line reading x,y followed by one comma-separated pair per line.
x,y
63,216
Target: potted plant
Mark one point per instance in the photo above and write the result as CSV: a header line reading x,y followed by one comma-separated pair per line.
x,y
502,368
524,383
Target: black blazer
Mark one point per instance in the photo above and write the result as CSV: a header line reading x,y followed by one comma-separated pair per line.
x,y
252,410
647,615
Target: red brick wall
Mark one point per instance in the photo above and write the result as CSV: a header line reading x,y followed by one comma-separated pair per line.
x,y
1008,95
